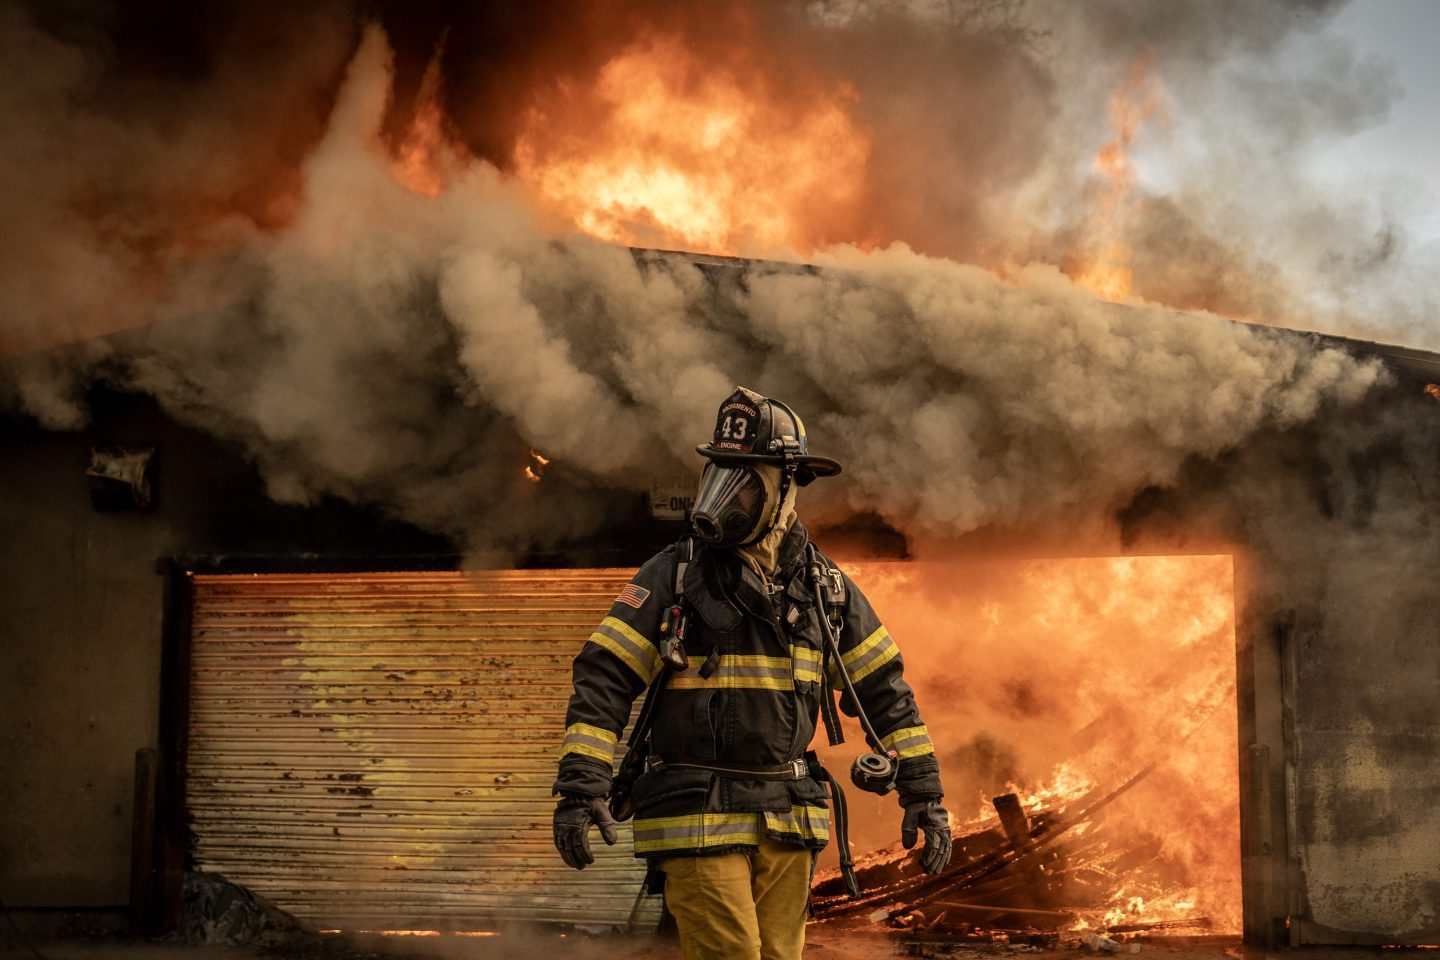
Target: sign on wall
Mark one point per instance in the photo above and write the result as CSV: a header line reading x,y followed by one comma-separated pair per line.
x,y
671,497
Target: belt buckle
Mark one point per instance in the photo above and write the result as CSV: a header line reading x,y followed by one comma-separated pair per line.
x,y
798,769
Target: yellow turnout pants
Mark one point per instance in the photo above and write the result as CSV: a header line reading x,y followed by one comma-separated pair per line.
x,y
740,906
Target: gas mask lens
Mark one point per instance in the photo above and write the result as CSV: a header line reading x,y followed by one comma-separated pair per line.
x,y
730,505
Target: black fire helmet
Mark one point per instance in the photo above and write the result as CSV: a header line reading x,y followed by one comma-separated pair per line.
x,y
750,428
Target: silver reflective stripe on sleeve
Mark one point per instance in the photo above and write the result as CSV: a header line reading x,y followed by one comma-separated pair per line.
x,y
870,655
589,741
625,642
909,742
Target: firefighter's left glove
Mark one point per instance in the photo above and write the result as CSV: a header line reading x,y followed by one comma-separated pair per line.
x,y
928,816
573,816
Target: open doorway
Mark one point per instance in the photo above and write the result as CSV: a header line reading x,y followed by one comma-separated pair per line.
x,y
1065,683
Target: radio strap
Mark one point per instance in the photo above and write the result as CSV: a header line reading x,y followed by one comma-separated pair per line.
x,y
637,744
674,629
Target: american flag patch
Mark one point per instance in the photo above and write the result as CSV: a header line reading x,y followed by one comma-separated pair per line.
x,y
633,595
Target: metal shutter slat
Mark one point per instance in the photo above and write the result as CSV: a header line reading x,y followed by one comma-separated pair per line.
x,y
377,749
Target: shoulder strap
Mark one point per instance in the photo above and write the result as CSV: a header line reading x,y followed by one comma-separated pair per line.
x,y
684,554
824,580
832,598
830,662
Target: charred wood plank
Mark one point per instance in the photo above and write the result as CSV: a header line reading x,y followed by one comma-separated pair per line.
x,y
1000,909
1177,924
917,890
1017,830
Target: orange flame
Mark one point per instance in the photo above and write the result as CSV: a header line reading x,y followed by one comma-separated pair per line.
x,y
1104,265
1059,680
1067,784
668,149
430,151
535,469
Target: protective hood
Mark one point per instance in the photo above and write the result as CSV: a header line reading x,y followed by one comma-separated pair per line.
x,y
764,554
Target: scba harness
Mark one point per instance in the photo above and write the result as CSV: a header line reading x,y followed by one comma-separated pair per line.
x,y
874,772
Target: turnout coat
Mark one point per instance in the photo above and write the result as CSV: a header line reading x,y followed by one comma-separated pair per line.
x,y
756,703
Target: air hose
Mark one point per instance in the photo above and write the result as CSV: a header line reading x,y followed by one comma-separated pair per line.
x,y
873,772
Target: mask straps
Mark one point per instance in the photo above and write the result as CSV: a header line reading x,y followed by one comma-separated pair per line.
x,y
788,448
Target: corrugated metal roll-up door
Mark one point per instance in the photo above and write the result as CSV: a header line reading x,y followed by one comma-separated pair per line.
x,y
375,751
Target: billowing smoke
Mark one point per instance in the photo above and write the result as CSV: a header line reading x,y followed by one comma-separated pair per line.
x,y
1064,404
1233,217
397,349
126,165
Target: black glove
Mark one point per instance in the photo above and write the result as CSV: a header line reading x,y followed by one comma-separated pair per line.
x,y
573,816
929,816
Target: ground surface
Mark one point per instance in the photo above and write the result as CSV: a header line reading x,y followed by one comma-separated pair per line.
x,y
822,946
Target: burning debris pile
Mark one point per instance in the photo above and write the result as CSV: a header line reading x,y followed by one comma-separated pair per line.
x,y
1029,877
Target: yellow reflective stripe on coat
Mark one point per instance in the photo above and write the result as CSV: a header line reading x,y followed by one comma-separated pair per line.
x,y
634,651
737,671
695,831
909,742
807,664
706,831
755,660
869,655
801,822
589,741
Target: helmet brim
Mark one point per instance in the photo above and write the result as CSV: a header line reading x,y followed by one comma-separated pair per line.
x,y
818,466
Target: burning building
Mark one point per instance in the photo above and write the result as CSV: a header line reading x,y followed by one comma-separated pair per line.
x,y
396,431
353,717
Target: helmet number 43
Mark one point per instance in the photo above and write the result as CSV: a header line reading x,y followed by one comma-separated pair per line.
x,y
734,428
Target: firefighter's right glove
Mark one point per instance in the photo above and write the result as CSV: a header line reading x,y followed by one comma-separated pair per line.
x,y
573,816
929,816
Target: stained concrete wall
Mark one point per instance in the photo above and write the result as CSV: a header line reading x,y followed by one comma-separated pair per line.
x,y
80,636
1361,675
1366,748
1339,525
80,631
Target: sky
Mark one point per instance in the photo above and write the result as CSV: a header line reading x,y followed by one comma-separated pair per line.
x,y
1407,33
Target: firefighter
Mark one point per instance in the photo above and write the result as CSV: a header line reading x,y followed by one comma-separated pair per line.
x,y
726,633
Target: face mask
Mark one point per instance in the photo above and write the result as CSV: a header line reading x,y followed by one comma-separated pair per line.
x,y
734,505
